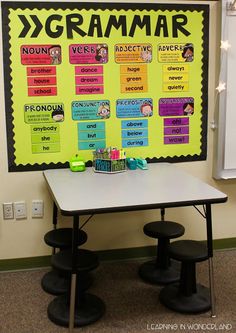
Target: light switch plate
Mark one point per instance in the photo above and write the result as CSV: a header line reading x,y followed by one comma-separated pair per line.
x,y
20,210
37,208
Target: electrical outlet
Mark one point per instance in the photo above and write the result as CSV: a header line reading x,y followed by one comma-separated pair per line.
x,y
8,212
37,208
20,210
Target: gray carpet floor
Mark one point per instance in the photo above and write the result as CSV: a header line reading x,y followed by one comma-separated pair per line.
x,y
132,306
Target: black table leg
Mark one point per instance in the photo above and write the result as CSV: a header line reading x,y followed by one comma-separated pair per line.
x,y
54,221
73,273
210,259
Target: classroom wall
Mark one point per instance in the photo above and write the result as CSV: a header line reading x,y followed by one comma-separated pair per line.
x,y
24,238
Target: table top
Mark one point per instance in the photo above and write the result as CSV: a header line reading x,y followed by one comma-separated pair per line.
x,y
162,185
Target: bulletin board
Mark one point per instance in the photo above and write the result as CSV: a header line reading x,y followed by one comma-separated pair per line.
x,y
224,166
84,76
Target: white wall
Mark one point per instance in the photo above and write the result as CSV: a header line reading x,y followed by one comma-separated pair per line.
x,y
24,238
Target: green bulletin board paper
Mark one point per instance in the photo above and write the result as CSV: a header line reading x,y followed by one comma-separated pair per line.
x,y
78,77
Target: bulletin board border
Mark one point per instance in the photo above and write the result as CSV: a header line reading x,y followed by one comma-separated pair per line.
x,y
6,6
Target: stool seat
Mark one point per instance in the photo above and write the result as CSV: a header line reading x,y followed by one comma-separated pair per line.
x,y
163,229
62,238
187,296
86,260
188,250
162,270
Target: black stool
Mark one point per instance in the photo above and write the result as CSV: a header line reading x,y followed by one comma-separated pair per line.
x,y
56,282
62,238
162,270
187,296
88,308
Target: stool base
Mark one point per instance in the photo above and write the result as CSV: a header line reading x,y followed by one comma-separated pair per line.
x,y
149,272
55,283
89,311
196,303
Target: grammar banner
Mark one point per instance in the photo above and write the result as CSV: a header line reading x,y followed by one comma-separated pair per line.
x,y
84,76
